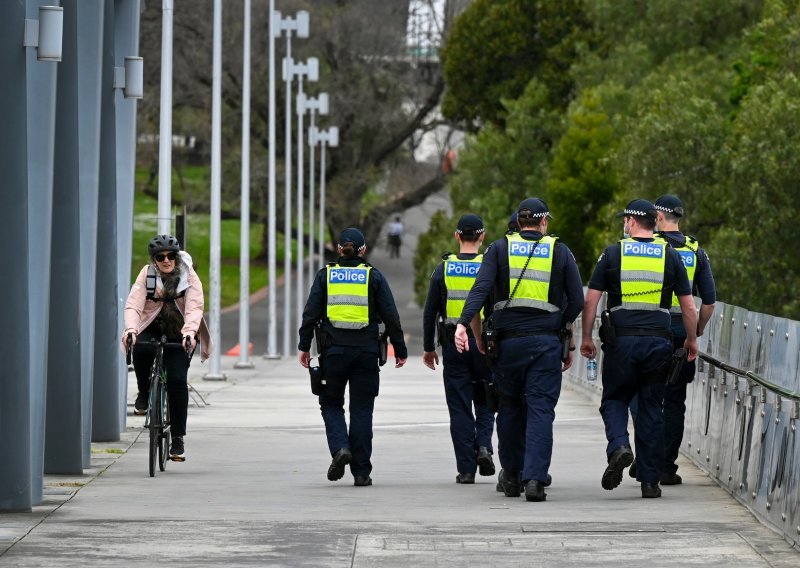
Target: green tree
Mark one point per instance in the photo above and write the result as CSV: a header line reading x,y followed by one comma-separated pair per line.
x,y
583,179
497,46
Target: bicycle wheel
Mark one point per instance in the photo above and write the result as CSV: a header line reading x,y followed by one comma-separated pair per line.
x,y
163,447
154,414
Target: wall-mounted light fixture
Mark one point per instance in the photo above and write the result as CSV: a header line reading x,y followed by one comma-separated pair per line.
x,y
130,78
46,33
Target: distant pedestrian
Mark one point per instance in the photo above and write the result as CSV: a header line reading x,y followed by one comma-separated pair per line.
x,y
348,299
395,237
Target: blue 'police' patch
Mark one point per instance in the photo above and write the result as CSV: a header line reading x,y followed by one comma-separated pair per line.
x,y
517,248
649,250
348,275
688,258
466,269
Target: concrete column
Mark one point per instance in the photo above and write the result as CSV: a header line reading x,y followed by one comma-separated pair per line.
x,y
126,14
15,389
75,196
41,109
105,389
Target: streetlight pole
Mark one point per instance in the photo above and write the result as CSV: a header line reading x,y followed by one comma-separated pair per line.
x,y
313,105
272,268
299,25
325,138
244,256
164,220
216,196
311,71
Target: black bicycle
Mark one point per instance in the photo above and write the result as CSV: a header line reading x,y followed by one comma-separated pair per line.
x,y
157,417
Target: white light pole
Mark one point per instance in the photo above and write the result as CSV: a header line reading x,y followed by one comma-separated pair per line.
x,y
309,70
244,254
299,25
165,124
214,373
324,138
272,268
312,105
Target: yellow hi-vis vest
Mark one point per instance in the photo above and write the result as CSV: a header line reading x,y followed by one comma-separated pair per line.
x,y
642,267
459,276
689,257
534,288
348,296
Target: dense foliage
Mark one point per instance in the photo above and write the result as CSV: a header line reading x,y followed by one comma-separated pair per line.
x,y
693,97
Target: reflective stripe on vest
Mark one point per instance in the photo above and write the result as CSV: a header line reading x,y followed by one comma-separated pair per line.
x,y
642,267
534,288
688,254
348,296
459,276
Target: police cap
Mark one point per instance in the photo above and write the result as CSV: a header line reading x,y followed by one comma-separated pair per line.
x,y
533,207
639,208
670,204
470,224
352,235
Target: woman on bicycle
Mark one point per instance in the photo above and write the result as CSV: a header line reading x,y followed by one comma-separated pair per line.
x,y
166,299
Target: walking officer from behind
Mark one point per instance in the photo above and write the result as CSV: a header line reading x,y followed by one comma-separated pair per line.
x,y
348,300
465,374
698,268
537,292
640,274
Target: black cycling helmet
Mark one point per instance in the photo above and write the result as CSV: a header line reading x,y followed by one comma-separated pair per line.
x,y
161,243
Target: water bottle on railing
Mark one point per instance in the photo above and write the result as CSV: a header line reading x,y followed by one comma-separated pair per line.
x,y
591,369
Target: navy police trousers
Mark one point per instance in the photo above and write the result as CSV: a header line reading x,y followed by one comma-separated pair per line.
x,y
464,377
528,376
358,367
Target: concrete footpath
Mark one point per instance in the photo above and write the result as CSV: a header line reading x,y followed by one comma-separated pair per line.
x,y
253,492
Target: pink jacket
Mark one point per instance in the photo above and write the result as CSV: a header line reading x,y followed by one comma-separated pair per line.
x,y
140,312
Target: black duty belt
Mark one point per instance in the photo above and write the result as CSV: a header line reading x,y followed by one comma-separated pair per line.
x,y
642,331
512,334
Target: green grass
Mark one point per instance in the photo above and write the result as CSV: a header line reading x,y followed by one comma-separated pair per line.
x,y
199,246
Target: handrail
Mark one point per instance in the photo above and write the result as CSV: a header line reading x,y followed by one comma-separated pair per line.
x,y
794,395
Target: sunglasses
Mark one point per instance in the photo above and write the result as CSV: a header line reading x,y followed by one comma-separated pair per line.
x,y
164,255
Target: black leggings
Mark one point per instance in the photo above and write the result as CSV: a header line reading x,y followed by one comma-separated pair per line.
x,y
177,369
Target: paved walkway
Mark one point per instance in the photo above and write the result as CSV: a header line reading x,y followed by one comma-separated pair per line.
x,y
253,492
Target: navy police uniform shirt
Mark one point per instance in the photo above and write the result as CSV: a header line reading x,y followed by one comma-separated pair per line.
x,y
435,303
703,285
606,278
381,309
492,281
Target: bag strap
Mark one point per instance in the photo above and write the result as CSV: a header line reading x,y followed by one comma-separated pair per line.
x,y
521,274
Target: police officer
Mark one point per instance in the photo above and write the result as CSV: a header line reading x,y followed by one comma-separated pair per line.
x,y
513,226
640,274
465,374
348,299
537,290
698,268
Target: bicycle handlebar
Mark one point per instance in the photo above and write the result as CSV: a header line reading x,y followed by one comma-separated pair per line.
x,y
185,345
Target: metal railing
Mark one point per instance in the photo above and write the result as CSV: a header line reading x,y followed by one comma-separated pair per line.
x,y
742,412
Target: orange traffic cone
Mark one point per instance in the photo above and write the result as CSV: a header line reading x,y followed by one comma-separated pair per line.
x,y
235,351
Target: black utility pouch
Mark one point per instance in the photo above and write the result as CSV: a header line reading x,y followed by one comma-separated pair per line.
x,y
490,344
607,333
565,335
440,332
383,348
322,338
676,363
318,381
492,396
